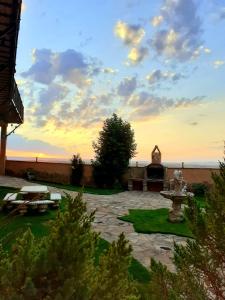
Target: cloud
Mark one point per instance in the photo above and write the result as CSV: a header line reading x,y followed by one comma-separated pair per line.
x,y
127,87
42,69
218,63
137,55
23,7
158,76
222,14
18,142
144,105
91,110
49,96
156,21
129,34
181,35
45,103
207,50
109,71
70,65
194,123
188,102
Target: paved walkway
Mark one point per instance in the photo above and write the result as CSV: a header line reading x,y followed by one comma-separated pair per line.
x,y
109,207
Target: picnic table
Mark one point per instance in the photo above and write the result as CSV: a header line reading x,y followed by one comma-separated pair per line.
x,y
33,196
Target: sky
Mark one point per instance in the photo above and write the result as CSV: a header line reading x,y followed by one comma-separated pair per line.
x,y
158,64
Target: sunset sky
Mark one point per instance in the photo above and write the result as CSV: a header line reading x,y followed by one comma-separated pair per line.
x,y
158,64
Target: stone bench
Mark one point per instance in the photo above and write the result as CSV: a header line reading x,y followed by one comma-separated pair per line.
x,y
56,198
40,205
10,197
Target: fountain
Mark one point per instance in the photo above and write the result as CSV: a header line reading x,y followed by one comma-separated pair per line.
x,y
177,194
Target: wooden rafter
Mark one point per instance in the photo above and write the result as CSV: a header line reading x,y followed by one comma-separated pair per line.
x,y
11,107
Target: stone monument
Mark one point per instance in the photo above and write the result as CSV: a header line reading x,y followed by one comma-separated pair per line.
x,y
156,155
177,194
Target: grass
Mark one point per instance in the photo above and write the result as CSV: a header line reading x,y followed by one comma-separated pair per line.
x,y
13,226
155,221
89,190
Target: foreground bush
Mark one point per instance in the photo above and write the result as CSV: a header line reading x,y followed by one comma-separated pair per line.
x,y
201,263
62,264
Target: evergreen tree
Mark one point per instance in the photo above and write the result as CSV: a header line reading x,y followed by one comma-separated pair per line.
x,y
77,169
61,266
107,285
114,149
201,263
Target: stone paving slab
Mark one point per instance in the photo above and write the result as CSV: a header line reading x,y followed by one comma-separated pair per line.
x,y
109,207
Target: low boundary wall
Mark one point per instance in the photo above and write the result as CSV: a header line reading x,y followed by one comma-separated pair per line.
x,y
61,172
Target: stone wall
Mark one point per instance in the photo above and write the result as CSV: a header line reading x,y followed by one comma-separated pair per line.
x,y
61,172
52,172
194,175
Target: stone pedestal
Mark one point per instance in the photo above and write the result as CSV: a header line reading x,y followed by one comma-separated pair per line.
x,y
176,214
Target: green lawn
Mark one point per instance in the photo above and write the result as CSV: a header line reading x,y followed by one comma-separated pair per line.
x,y
155,221
89,190
12,226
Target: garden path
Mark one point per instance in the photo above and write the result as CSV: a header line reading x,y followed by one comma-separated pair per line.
x,y
109,207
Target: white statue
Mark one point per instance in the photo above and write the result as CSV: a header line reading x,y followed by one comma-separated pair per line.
x,y
178,181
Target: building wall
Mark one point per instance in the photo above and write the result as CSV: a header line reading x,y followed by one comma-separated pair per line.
x,y
61,172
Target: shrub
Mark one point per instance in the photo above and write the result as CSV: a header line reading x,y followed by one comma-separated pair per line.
x,y
30,174
199,189
77,170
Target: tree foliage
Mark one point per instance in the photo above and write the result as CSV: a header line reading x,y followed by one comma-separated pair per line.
x,y
62,265
201,263
113,150
77,169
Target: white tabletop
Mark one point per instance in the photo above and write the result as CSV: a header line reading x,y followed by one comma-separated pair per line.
x,y
34,189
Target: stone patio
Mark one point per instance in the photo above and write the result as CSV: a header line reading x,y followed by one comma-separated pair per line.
x,y
109,207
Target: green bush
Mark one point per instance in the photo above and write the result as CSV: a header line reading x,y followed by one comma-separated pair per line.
x,y
30,174
77,170
199,189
